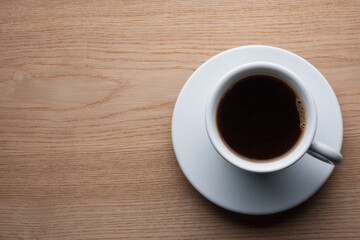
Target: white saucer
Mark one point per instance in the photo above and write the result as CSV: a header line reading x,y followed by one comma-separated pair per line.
x,y
228,186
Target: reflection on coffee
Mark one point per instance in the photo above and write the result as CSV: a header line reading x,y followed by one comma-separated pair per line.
x,y
261,118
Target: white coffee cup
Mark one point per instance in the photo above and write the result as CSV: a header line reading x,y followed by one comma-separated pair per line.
x,y
306,144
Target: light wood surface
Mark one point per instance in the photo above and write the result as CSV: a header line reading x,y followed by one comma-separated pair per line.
x,y
87,90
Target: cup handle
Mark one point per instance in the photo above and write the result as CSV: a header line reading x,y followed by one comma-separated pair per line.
x,y
324,153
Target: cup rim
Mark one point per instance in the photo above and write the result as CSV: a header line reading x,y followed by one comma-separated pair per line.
x,y
267,166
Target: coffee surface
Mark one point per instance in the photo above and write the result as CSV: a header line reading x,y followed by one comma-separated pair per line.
x,y
260,117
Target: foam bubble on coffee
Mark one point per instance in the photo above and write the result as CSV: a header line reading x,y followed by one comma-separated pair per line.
x,y
300,105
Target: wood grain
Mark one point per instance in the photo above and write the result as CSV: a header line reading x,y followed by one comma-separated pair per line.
x,y
87,90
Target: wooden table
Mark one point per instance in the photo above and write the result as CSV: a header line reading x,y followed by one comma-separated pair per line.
x,y
87,90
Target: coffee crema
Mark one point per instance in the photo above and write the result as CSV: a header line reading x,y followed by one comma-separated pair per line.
x,y
261,118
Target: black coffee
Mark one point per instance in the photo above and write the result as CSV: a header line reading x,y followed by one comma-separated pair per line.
x,y
260,117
